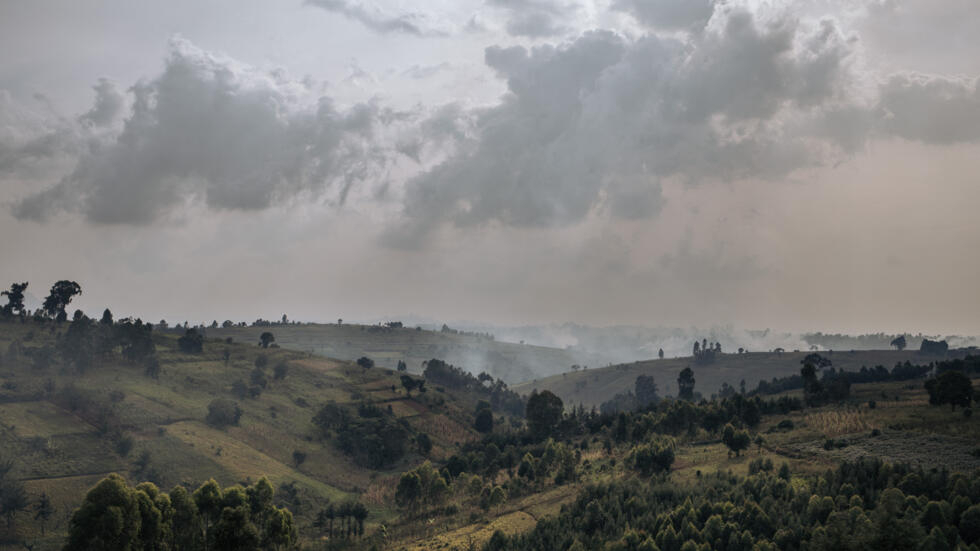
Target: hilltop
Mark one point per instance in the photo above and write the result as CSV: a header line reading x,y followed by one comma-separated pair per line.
x,y
477,352
591,387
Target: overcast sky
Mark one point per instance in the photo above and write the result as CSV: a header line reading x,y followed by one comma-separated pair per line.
x,y
807,165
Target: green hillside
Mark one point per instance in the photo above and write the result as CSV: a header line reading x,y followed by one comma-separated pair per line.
x,y
64,430
592,387
387,346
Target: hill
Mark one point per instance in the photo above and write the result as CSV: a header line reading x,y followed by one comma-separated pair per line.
x,y
591,387
387,346
64,430
669,474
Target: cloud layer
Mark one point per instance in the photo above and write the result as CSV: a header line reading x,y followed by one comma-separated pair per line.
x,y
592,126
212,130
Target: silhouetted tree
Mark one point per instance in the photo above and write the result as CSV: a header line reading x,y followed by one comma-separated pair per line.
x,y
899,342
266,338
365,362
660,353
59,297
15,300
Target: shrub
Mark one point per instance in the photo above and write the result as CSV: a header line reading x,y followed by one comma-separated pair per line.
x,y
222,413
280,371
298,457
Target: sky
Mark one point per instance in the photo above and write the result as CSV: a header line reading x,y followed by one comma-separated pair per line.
x,y
797,165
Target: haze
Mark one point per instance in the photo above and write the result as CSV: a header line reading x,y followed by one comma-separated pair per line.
x,y
795,165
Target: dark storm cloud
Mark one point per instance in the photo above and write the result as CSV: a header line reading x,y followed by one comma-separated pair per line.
x,y
209,129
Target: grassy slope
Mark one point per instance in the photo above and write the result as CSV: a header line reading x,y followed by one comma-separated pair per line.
x,y
508,361
591,387
60,453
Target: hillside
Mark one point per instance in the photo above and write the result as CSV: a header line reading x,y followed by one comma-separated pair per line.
x,y
637,478
591,387
386,346
66,430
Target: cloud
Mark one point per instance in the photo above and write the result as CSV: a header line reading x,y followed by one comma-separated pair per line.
x,y
536,18
931,109
29,139
595,125
108,104
669,14
373,17
209,129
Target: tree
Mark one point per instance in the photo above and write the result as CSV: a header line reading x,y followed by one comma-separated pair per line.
x,y
685,383
365,362
899,342
106,318
15,300
409,384
812,389
543,412
58,299
409,491
645,390
43,510
402,366
484,420
266,338
660,353
108,520
191,343
735,440
950,387
13,497
424,443
280,531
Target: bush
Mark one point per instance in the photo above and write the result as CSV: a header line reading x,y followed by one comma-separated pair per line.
x,y
222,413
124,445
191,343
298,457
280,371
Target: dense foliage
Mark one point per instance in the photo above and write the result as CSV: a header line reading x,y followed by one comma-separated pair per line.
x,y
862,505
116,517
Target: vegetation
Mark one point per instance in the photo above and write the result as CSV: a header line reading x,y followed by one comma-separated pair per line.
x,y
115,516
